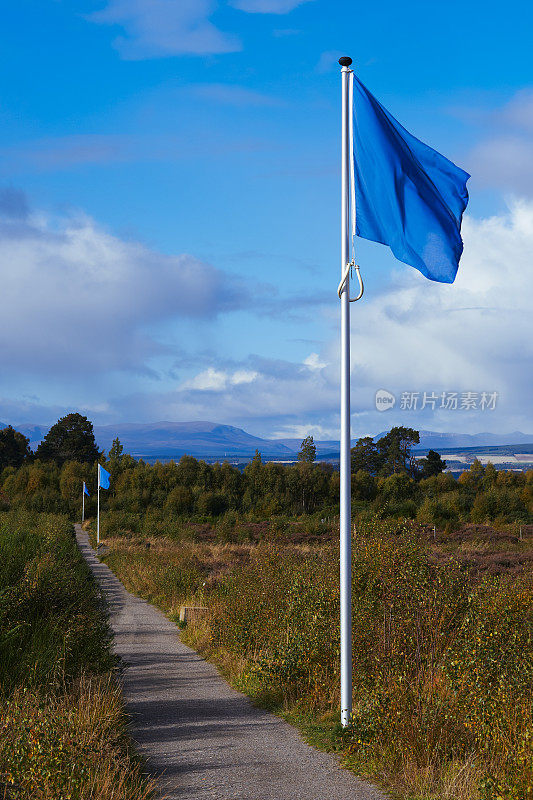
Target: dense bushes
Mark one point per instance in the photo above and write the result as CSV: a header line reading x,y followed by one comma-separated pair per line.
x,y
51,626
61,717
44,487
168,494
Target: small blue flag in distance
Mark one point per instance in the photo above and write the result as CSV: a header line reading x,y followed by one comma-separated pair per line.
x,y
407,195
85,490
103,477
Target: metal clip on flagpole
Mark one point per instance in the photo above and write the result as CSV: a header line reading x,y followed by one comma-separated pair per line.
x,y
348,273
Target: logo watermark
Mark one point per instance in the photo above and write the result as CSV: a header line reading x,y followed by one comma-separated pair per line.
x,y
448,401
384,400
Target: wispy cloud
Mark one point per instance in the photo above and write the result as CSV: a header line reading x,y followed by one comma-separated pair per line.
x,y
78,150
267,6
504,157
62,152
518,112
328,60
314,362
159,28
505,162
13,203
216,380
282,33
232,95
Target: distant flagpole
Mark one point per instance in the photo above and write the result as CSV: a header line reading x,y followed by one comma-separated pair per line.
x,y
345,449
103,482
83,501
98,511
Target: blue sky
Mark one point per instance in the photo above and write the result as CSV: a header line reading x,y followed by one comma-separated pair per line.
x,y
169,209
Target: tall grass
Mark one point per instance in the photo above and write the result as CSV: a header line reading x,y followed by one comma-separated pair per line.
x,y
61,715
443,660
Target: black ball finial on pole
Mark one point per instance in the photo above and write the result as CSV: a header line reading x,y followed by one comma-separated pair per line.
x,y
345,61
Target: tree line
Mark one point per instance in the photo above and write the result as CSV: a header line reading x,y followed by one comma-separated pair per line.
x,y
387,481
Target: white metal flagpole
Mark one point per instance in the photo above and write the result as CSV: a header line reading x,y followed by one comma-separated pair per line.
x,y
83,501
345,454
98,511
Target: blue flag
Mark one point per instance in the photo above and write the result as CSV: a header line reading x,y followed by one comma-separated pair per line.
x,y
85,490
407,195
103,477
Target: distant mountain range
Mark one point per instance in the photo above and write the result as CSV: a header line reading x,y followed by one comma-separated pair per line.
x,y
167,440
430,440
171,439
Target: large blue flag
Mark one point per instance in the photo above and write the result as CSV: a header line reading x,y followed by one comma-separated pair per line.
x,y
407,195
103,477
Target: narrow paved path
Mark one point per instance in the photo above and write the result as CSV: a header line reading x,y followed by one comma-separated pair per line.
x,y
200,737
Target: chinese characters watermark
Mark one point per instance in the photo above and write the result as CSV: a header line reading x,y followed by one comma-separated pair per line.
x,y
448,401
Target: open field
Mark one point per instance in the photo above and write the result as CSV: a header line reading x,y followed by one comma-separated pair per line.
x,y
443,653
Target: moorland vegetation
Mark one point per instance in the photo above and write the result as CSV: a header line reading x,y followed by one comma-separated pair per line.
x,y
442,596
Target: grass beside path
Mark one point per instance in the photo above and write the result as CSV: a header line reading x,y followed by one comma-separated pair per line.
x,y
62,727
443,655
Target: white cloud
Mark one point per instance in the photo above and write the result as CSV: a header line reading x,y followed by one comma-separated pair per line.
x,y
74,296
156,28
264,394
313,362
267,6
416,336
300,431
211,380
93,297
214,380
243,376
470,336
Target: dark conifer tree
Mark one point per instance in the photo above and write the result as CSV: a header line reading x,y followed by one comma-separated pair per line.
x,y
432,464
14,448
70,439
